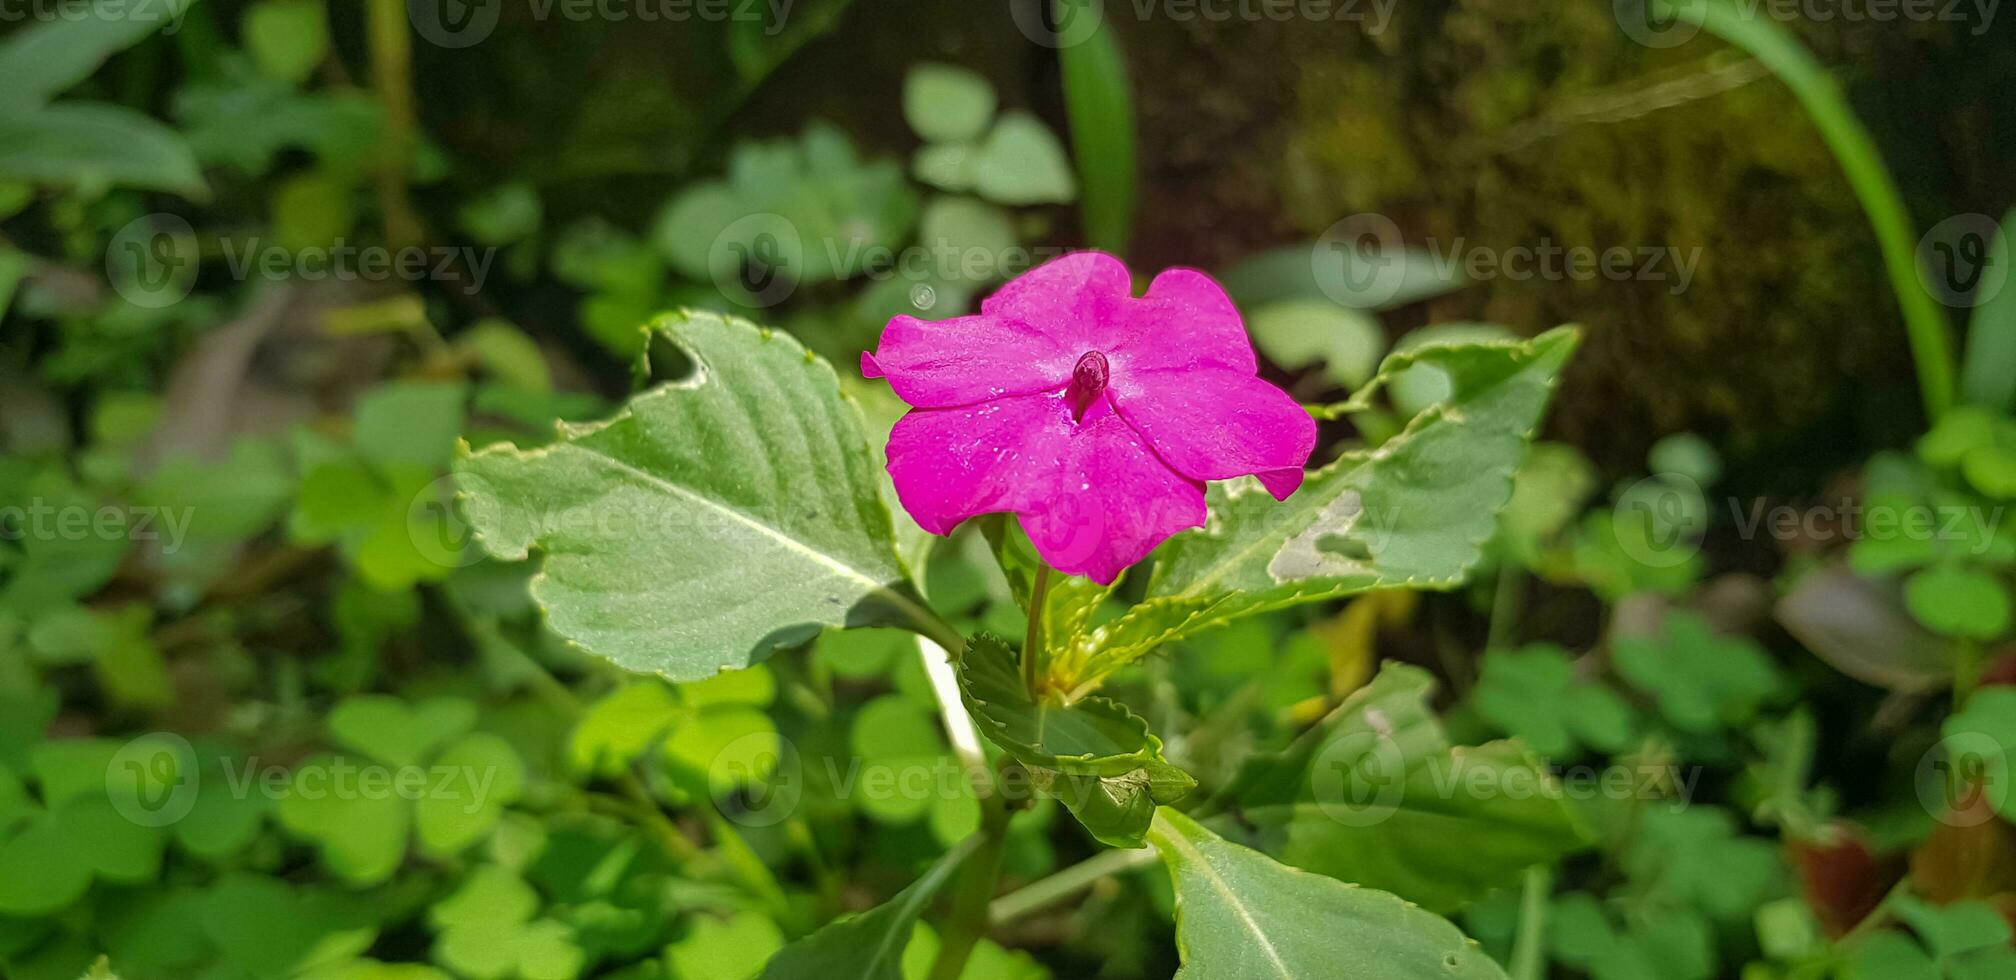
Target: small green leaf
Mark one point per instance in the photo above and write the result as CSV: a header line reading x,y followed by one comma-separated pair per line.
x,y
1021,162
1991,470
868,946
361,835
286,38
270,929
47,57
734,947
1375,795
85,143
397,732
468,786
1958,600
1703,682
1095,755
713,520
946,102
1534,695
1299,333
1239,915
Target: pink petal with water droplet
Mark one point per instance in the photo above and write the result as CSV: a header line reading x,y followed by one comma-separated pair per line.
x,y
966,359
1114,501
1215,425
950,464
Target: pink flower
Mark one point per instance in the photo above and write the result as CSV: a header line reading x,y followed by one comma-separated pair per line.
x,y
1091,414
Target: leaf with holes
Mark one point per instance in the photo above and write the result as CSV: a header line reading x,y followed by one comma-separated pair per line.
x,y
712,520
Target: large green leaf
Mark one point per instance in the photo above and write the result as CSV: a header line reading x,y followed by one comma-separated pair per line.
x,y
84,142
1094,754
1241,916
1376,795
712,520
868,946
1414,513
45,58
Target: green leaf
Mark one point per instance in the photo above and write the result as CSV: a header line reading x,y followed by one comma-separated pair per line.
x,y
1988,367
1703,682
53,54
1298,333
946,102
1098,103
83,144
734,947
469,785
286,38
361,835
1992,470
712,520
1095,755
269,929
868,946
1983,735
1414,513
1240,915
1376,794
1958,600
1021,162
1533,694
621,727
397,732
410,422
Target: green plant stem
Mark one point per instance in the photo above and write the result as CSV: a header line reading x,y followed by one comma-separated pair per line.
x,y
1505,597
1967,667
1068,882
977,880
1817,91
392,80
1032,640
1529,961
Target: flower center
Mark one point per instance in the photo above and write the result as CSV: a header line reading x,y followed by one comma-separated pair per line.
x,y
1088,382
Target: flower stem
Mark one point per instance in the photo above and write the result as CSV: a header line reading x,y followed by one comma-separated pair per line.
x,y
1032,641
1529,949
975,892
1069,882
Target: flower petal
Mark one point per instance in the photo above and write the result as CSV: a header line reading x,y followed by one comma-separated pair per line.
x,y
952,463
1114,501
1185,321
966,360
1216,424
1071,299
